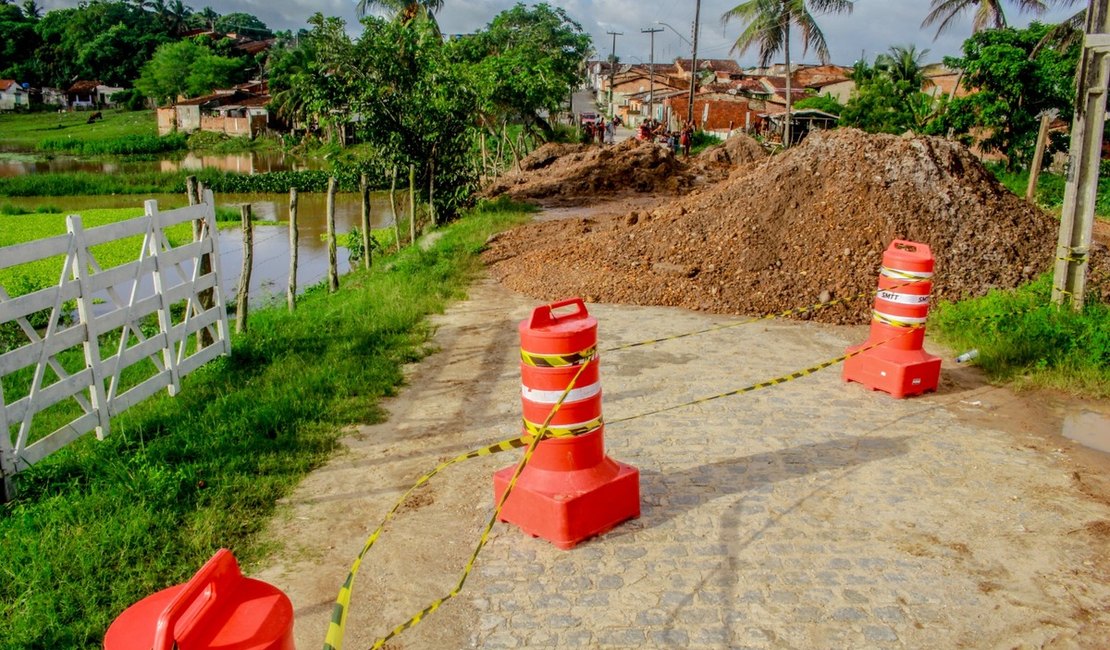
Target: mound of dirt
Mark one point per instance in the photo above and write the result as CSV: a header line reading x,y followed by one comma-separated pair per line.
x,y
560,174
802,227
740,149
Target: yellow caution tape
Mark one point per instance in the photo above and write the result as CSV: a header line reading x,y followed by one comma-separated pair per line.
x,y
894,321
772,382
557,360
337,625
782,314
563,432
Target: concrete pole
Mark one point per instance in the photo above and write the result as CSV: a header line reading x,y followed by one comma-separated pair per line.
x,y
694,63
613,67
651,71
1077,220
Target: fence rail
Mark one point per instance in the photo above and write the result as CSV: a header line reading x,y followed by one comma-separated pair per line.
x,y
83,358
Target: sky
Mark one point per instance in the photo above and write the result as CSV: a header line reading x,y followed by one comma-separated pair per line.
x,y
872,27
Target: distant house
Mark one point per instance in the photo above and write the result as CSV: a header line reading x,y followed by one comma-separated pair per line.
x,y
82,94
104,95
239,111
12,95
53,96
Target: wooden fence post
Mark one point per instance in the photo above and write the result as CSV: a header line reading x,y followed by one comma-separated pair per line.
x,y
291,295
364,188
196,196
245,276
333,263
393,207
412,204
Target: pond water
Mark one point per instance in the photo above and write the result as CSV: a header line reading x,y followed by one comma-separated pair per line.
x,y
245,163
270,273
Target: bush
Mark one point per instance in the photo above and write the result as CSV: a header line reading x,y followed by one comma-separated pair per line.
x,y
118,146
1021,335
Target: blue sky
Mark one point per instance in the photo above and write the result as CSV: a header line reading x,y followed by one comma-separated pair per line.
x,y
873,26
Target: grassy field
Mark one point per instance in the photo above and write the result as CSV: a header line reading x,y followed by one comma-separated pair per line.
x,y
1026,340
101,524
16,229
27,130
1050,189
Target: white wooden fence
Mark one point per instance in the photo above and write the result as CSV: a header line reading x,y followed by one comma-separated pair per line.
x,y
111,303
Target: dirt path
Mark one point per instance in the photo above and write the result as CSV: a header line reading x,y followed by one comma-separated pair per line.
x,y
813,514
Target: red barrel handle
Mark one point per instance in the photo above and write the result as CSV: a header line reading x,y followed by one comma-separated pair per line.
x,y
217,576
544,315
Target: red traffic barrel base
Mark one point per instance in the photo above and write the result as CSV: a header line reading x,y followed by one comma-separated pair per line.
x,y
902,373
573,494
893,360
217,608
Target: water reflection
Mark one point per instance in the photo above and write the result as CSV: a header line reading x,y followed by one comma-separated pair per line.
x,y
1089,429
246,163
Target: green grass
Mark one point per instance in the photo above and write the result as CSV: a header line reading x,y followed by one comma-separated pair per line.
x,y
124,145
1050,189
1025,339
26,131
100,525
16,229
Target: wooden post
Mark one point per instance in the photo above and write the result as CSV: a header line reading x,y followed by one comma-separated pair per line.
x,y
364,187
393,207
432,188
206,298
245,276
191,190
294,236
412,204
333,263
1038,156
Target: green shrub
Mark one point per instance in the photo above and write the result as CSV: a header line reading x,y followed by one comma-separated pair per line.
x,y
1021,335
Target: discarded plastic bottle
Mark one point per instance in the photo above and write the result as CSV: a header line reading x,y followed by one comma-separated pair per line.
x,y
968,356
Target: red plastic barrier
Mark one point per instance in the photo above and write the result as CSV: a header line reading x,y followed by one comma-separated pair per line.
x,y
217,608
570,490
897,364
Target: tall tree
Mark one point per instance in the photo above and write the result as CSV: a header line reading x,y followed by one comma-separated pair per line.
x,y
888,97
185,68
767,24
988,13
526,62
1016,80
401,10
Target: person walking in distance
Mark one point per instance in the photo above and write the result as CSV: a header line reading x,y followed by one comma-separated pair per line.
x,y
687,138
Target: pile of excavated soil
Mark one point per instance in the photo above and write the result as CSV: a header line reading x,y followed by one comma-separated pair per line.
x,y
561,174
802,227
740,149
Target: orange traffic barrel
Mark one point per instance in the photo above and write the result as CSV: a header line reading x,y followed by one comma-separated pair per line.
x,y
217,608
893,359
570,490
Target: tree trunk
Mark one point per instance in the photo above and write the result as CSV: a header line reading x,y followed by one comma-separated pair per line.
x,y
242,299
485,166
364,188
333,262
546,130
412,204
393,207
509,144
291,294
789,91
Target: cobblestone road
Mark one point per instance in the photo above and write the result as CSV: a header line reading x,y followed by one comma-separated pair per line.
x,y
815,514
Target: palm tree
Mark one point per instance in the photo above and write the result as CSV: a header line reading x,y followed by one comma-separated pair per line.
x,y
206,17
768,24
402,10
988,13
904,64
32,10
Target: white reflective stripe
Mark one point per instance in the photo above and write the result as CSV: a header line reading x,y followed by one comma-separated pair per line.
x,y
899,273
552,396
903,298
909,320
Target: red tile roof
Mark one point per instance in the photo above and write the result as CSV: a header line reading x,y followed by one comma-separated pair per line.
x,y
6,83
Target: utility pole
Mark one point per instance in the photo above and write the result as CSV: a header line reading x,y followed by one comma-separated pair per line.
x,y
651,71
694,63
613,67
1070,278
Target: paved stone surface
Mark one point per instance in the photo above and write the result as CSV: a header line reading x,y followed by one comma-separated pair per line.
x,y
815,514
